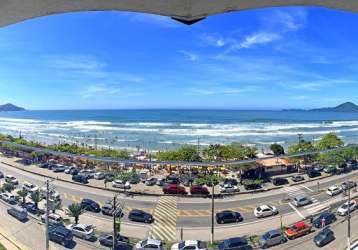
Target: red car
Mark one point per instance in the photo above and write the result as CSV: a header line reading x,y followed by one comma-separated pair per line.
x,y
199,190
174,189
297,230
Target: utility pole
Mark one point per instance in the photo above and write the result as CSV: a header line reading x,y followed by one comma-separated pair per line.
x,y
114,222
299,138
349,220
212,210
47,212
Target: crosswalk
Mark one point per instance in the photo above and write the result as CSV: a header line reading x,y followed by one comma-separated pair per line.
x,y
314,207
165,219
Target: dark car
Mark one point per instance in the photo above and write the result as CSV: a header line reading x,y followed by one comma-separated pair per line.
x,y
74,171
297,178
140,216
348,185
80,178
58,168
90,205
199,190
1,175
228,217
312,173
44,165
134,180
236,243
60,235
109,177
318,168
174,189
172,179
252,186
324,219
231,181
324,237
107,239
31,208
279,181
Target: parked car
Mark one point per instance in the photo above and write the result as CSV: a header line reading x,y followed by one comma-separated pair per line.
x,y
231,181
140,216
80,178
324,219
60,235
188,181
199,190
52,218
31,208
330,169
58,168
134,180
343,209
107,239
18,212
348,185
334,190
1,175
297,178
236,243
297,230
74,171
90,205
9,198
279,181
318,168
160,182
109,177
190,245
228,188
301,200
272,238
29,187
44,165
68,170
11,179
265,210
312,173
99,176
150,181
121,184
341,169
88,172
252,186
149,244
174,189
82,231
324,237
228,216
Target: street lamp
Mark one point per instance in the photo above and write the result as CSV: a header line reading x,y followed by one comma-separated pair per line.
x,y
212,209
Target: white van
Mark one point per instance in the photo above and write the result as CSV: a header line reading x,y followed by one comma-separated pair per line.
x,y
144,174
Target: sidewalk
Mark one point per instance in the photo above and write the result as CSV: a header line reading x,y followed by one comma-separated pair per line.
x,y
10,242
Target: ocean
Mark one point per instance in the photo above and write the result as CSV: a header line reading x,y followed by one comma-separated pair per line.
x,y
169,129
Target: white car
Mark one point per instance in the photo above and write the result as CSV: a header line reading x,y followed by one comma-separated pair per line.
x,y
99,176
343,209
149,244
9,198
334,190
52,218
29,187
190,245
121,184
228,188
82,231
265,210
301,200
11,179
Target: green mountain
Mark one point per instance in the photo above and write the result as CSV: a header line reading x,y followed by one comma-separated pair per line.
x,y
10,107
348,107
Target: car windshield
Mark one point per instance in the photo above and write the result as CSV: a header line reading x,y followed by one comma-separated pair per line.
x,y
144,242
181,245
88,228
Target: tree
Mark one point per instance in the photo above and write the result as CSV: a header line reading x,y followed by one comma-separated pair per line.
x,y
36,198
22,193
188,153
75,210
8,187
277,149
329,141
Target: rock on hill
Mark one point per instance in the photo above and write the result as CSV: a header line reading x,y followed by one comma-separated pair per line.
x,y
344,107
10,107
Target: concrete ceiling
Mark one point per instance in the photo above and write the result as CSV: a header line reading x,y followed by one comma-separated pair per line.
x,y
13,11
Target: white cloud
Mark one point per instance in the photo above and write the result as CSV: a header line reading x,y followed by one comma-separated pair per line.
x,y
93,90
214,40
191,56
258,38
222,90
299,97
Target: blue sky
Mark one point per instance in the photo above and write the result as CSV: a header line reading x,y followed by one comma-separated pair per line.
x,y
259,59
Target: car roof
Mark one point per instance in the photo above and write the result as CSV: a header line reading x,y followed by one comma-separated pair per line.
x,y
80,225
264,206
191,242
154,242
274,231
301,196
236,239
300,224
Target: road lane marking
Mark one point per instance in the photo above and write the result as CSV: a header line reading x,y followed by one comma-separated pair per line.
x,y
296,210
309,189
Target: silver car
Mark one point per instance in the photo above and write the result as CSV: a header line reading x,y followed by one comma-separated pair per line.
x,y
301,200
149,244
272,238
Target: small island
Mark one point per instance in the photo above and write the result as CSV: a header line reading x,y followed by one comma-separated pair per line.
x,y
10,107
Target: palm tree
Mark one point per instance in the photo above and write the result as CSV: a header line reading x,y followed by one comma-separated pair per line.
x,y
36,198
8,187
75,210
22,193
